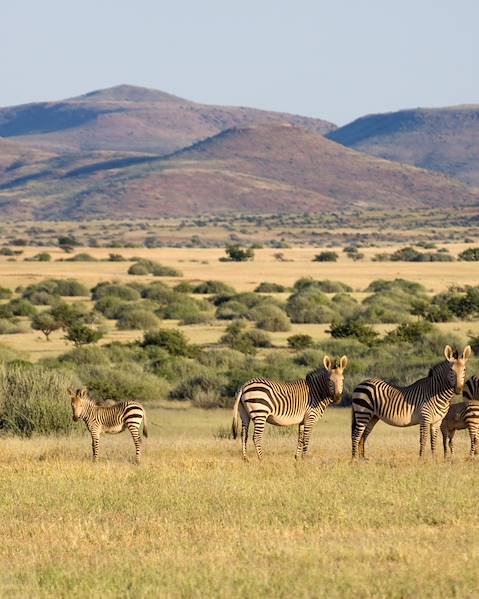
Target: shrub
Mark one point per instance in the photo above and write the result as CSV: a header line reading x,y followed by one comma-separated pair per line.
x,y
409,332
390,285
236,253
203,390
5,293
116,258
231,309
123,292
46,323
41,257
258,338
236,338
469,255
82,334
266,287
309,306
70,314
183,287
70,288
110,306
326,256
300,341
271,318
353,328
326,286
12,326
172,340
82,257
21,307
214,287
138,319
35,400
144,267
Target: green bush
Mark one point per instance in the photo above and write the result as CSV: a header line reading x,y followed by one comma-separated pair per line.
x,y
258,338
82,334
309,306
5,293
409,332
266,287
138,319
35,400
326,286
203,390
143,267
21,307
214,287
236,338
123,292
353,328
231,309
469,255
300,341
82,257
326,256
110,306
270,318
236,253
41,257
46,323
183,287
390,285
172,340
12,326
70,314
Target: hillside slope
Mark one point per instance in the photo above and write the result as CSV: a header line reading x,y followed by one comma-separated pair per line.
x,y
126,118
261,169
445,140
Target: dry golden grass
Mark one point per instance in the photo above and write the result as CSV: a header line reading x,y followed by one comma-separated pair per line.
x,y
203,264
194,521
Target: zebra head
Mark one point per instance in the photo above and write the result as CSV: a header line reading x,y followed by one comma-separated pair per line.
x,y
457,363
78,398
336,377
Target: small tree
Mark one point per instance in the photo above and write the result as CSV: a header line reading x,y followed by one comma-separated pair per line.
x,y
238,254
81,334
327,256
470,255
46,323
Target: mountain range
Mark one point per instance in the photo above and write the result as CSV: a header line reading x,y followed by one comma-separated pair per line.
x,y
129,152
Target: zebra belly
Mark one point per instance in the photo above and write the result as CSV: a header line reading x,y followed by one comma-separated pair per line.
x,y
284,420
114,429
407,417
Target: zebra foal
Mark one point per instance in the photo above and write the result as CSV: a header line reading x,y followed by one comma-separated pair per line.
x,y
463,415
109,419
283,404
425,402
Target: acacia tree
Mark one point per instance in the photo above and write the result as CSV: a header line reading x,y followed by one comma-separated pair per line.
x,y
46,323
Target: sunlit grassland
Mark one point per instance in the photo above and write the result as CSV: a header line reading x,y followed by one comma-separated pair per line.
x,y
195,521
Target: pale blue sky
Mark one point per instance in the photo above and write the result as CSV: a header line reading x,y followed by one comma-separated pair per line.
x,y
334,59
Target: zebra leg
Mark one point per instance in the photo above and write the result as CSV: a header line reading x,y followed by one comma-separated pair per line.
x,y
367,431
473,437
424,428
259,423
451,440
308,427
300,440
445,434
136,440
434,430
95,442
360,421
245,420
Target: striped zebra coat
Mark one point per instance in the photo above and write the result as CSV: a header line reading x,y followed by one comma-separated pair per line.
x,y
464,415
283,404
109,419
425,402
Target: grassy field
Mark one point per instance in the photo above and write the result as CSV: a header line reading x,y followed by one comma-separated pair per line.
x,y
194,521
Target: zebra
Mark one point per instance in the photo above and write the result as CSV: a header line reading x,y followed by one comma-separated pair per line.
x,y
463,415
109,419
302,402
425,402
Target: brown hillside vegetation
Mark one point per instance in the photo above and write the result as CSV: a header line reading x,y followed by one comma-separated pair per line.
x,y
280,168
443,139
131,119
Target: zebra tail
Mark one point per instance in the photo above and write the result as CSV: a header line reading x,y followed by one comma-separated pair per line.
x,y
235,423
145,428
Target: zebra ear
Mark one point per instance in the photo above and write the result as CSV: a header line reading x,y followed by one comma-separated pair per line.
x,y
343,362
466,354
448,353
327,362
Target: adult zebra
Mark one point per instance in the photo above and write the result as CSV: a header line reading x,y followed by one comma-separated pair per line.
x,y
425,402
463,415
109,419
302,402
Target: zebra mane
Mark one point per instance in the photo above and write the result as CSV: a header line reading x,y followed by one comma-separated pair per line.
x,y
437,367
317,373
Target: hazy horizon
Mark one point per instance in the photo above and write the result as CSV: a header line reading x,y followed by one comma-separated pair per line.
x,y
331,61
